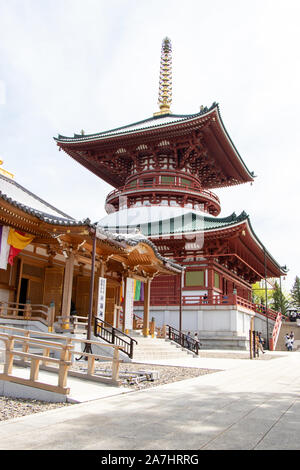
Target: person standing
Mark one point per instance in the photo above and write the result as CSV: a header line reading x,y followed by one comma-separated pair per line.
x,y
286,339
292,337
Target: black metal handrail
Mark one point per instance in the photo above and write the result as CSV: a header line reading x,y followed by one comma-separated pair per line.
x,y
112,335
184,340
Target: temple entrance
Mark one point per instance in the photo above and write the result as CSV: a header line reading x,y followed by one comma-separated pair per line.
x,y
23,291
111,304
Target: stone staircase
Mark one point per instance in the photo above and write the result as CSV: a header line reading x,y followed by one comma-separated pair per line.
x,y
286,328
157,348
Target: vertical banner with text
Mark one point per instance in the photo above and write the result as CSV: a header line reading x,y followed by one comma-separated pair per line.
x,y
101,298
129,297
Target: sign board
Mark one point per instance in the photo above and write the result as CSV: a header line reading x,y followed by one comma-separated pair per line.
x,y
101,298
129,297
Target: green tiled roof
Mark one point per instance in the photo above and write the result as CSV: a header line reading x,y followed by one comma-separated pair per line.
x,y
185,223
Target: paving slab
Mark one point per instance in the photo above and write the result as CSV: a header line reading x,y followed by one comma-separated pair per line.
x,y
248,405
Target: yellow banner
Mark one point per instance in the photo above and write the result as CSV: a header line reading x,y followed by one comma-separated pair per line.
x,y
17,240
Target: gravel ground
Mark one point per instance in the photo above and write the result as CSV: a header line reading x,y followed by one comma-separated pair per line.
x,y
14,408
167,374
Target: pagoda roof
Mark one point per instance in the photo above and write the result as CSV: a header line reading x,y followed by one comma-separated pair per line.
x,y
183,220
166,126
170,224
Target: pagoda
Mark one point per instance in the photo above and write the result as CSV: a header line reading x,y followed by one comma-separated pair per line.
x,y
163,171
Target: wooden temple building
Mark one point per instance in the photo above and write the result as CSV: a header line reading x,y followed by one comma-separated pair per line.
x,y
51,260
164,170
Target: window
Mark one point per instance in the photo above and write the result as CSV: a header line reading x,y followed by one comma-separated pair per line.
x,y
217,280
167,179
186,182
194,278
148,182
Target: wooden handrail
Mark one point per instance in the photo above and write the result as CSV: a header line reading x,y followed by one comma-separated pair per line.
x,y
35,361
55,342
27,311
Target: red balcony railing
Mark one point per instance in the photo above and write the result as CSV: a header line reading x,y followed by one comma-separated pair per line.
x,y
171,187
230,299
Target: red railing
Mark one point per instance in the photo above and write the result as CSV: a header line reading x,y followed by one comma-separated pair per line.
x,y
275,333
230,299
139,187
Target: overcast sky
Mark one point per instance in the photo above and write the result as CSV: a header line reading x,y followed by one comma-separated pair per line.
x,y
68,65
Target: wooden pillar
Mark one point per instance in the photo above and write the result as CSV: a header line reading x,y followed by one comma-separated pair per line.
x,y
210,282
124,308
146,307
67,292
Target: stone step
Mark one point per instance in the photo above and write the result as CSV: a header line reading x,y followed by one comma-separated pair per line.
x,y
157,348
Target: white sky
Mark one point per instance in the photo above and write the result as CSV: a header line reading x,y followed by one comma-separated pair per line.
x,y
68,65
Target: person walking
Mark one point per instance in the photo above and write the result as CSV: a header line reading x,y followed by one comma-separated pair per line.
x,y
286,340
290,344
188,340
196,339
261,343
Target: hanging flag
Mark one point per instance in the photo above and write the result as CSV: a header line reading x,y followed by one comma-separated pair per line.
x,y
142,292
12,253
4,247
17,241
137,290
121,292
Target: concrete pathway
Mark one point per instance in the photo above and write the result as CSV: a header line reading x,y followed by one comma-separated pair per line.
x,y
248,405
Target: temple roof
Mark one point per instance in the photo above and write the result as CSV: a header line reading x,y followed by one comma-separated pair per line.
x,y
22,209
90,150
24,199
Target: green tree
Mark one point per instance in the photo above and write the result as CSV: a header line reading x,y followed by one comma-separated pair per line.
x,y
259,294
279,300
295,293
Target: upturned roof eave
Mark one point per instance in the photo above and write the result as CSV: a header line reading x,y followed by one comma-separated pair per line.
x,y
129,131
182,118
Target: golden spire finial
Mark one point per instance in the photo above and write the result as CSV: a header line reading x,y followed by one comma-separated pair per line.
x,y
5,172
165,78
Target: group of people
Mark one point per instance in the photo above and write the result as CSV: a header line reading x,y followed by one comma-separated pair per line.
x,y
289,341
195,338
294,316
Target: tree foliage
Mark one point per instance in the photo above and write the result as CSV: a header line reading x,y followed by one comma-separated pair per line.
x,y
276,299
295,293
279,300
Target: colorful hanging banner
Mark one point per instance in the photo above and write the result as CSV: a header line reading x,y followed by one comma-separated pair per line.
x,y
137,290
17,241
11,243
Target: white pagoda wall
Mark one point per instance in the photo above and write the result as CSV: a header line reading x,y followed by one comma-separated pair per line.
x,y
218,327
